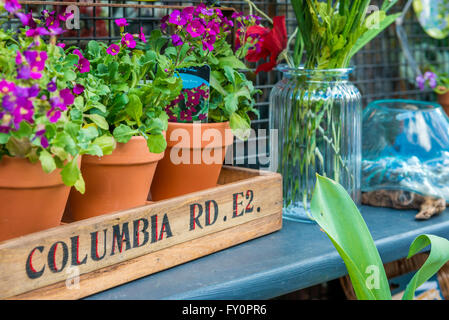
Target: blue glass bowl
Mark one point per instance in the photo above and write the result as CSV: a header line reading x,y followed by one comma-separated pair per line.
x,y
406,147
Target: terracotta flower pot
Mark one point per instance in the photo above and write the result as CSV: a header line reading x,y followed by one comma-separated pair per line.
x,y
193,159
115,182
443,99
30,199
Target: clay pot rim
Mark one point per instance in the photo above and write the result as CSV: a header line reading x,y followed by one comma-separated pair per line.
x,y
23,178
222,127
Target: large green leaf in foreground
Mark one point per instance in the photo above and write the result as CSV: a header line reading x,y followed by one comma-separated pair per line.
x,y
438,256
338,216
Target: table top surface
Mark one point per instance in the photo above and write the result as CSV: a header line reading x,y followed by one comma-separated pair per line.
x,y
296,257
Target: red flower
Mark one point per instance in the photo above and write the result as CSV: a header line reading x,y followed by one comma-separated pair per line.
x,y
272,43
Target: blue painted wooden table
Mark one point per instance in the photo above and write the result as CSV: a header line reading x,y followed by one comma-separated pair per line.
x,y
296,257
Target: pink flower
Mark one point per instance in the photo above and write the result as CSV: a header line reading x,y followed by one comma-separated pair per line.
x,y
61,45
121,22
142,35
177,19
113,49
83,65
78,89
6,87
12,6
195,29
177,41
129,41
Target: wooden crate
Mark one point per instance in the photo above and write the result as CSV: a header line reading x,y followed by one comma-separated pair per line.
x,y
116,248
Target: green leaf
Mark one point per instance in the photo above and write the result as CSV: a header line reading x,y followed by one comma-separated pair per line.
x,y
239,126
47,161
71,173
123,133
337,215
4,137
80,185
98,120
233,62
439,255
156,143
106,143
69,75
134,108
24,131
372,33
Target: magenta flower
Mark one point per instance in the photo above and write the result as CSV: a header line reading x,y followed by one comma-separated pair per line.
x,y
208,42
202,116
212,28
113,49
78,89
53,115
177,41
66,16
6,87
27,19
61,45
121,22
40,134
51,86
39,31
78,53
19,59
177,19
12,6
67,96
187,13
195,29
142,35
164,23
129,41
83,65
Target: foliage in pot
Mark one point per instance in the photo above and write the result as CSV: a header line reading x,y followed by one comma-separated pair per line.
x,y
123,98
338,216
438,82
199,37
41,144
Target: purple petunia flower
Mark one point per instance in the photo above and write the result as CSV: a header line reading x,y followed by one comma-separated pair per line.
x,y
164,23
209,41
53,115
187,13
121,22
8,102
33,91
195,29
66,16
78,89
27,19
51,86
66,96
142,35
12,6
177,41
129,41
6,87
83,65
39,31
177,19
212,28
429,78
113,49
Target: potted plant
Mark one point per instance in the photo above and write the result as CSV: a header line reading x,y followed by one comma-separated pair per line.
x,y
40,143
315,107
338,216
195,152
122,98
437,81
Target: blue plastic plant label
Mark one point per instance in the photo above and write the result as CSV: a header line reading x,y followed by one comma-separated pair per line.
x,y
192,105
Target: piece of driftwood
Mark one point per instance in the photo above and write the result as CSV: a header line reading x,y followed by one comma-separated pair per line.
x,y
400,199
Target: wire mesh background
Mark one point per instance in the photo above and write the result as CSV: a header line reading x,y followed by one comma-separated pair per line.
x,y
381,70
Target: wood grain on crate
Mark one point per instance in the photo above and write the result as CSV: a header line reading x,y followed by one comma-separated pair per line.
x,y
137,242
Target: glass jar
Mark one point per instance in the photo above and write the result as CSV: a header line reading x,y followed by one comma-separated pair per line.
x,y
318,117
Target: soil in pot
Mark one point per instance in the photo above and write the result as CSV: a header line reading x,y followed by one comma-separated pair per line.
x,y
193,159
115,182
31,200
